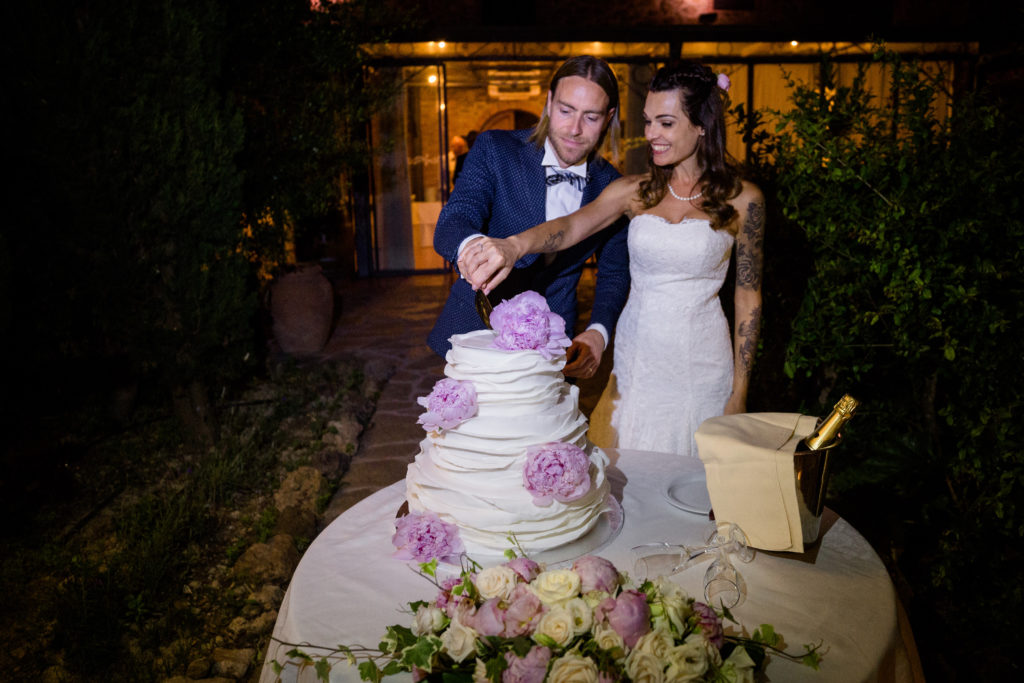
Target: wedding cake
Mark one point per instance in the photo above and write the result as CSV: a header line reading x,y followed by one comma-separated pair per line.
x,y
506,451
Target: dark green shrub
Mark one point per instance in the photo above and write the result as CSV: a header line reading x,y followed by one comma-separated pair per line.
x,y
912,213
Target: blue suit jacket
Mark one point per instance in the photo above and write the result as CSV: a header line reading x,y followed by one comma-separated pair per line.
x,y
502,192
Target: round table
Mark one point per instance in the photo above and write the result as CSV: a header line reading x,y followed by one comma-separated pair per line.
x,y
347,588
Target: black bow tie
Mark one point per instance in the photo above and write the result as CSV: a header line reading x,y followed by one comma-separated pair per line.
x,y
579,182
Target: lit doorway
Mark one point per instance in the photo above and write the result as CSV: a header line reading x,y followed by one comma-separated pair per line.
x,y
415,159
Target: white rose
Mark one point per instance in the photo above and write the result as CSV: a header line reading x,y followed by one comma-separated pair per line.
x,y
480,672
572,669
686,662
739,667
643,667
458,641
656,642
428,620
710,651
557,624
496,582
595,598
556,586
582,615
607,638
676,604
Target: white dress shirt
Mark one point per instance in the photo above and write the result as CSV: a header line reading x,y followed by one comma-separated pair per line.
x,y
561,200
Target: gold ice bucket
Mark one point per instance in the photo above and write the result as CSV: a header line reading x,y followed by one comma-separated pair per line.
x,y
811,469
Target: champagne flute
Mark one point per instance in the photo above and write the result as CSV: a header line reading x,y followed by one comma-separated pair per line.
x,y
723,584
664,559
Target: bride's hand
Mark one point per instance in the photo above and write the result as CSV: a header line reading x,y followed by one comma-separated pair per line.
x,y
486,262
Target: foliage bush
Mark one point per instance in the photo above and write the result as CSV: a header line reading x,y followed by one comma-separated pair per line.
x,y
159,148
131,198
297,76
911,209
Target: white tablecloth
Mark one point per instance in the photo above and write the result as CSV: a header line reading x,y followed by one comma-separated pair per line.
x,y
347,589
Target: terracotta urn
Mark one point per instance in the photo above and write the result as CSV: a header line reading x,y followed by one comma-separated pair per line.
x,y
302,308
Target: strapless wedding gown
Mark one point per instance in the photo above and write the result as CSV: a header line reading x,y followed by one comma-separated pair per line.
x,y
673,360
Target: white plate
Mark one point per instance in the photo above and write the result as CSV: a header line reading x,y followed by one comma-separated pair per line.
x,y
689,491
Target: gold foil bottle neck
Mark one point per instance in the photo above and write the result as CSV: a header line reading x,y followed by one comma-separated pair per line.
x,y
829,429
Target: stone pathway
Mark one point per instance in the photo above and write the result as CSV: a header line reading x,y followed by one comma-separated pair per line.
x,y
385,321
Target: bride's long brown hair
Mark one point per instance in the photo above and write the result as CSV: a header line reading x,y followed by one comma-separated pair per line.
x,y
702,102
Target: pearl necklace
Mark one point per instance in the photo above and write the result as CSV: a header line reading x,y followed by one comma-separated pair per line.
x,y
683,199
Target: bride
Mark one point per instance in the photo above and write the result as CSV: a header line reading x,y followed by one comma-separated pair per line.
x,y
674,363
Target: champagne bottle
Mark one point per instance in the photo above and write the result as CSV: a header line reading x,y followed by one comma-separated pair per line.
x,y
828,430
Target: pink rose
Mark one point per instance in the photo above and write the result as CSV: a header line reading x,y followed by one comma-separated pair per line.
x,y
422,536
710,624
489,619
529,669
556,471
524,607
450,402
724,82
526,568
628,615
596,574
526,322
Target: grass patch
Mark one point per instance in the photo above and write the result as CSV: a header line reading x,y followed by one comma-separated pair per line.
x,y
142,582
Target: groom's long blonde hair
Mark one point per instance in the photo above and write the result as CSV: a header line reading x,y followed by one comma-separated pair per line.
x,y
593,69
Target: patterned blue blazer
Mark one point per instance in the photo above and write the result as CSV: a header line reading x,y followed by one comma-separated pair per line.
x,y
502,192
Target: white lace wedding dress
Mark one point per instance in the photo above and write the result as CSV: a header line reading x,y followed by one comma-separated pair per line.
x,y
673,359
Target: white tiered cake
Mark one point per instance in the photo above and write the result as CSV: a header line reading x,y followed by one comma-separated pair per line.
x,y
471,474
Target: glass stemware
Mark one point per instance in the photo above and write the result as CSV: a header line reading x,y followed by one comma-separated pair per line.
x,y
723,584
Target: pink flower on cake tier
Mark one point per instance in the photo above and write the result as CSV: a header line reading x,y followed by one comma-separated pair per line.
x,y
628,614
450,402
422,536
556,471
526,322
529,669
596,574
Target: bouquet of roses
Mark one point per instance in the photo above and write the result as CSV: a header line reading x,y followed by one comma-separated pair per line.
x,y
520,623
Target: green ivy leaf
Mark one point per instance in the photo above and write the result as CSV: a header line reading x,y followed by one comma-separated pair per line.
x,y
392,667
368,671
421,654
323,670
812,658
766,634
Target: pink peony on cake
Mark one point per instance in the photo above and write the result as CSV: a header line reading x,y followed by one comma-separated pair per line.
x,y
506,450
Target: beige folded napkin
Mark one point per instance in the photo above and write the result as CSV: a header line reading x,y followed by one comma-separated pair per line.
x,y
748,459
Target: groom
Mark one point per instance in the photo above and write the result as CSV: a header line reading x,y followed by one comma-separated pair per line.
x,y
514,180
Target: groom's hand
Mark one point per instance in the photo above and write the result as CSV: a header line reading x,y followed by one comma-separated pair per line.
x,y
583,357
486,262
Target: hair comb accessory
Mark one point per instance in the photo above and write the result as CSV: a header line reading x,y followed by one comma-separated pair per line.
x,y
724,82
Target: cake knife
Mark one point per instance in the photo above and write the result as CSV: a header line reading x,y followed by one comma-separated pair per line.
x,y
484,307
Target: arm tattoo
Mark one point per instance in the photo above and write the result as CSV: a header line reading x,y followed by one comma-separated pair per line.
x,y
747,340
750,248
553,241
